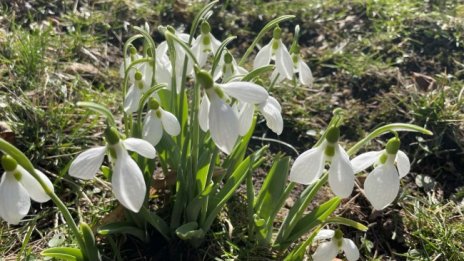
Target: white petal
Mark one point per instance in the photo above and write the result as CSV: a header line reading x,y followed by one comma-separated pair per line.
x,y
382,185
324,234
183,36
284,62
308,167
223,125
131,103
215,43
152,128
350,249
341,175
363,161
140,146
246,118
14,199
245,92
271,112
263,57
197,50
170,123
33,187
274,74
128,182
305,74
326,252
86,165
403,164
203,113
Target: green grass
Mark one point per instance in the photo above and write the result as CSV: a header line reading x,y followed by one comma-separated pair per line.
x,y
363,55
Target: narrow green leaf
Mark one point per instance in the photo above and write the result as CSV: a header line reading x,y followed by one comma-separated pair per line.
x,y
91,250
64,253
257,72
190,231
122,228
156,221
347,222
310,221
99,109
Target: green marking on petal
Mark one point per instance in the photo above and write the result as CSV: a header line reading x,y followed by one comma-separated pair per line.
x,y
17,175
329,150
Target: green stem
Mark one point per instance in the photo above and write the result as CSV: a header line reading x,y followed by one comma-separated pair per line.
x,y
385,129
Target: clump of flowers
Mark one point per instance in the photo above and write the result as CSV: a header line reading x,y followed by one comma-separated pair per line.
x,y
188,97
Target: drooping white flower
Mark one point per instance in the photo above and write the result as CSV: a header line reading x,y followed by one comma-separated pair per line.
x,y
270,109
217,115
127,180
133,56
158,120
299,66
383,183
308,167
228,69
276,50
205,44
327,251
135,92
17,188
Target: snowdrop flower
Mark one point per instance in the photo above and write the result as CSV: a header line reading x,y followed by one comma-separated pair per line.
x,y
383,183
135,92
276,50
128,60
299,66
156,120
228,68
127,180
17,188
308,167
327,251
270,109
205,44
215,113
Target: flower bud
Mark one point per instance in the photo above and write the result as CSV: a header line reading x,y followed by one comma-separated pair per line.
x,y
112,135
333,134
8,163
393,145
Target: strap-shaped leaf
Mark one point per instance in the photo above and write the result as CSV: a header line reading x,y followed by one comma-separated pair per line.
x,y
91,250
311,220
122,228
64,253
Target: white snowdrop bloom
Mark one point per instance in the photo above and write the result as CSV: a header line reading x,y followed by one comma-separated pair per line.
x,y
275,50
215,113
305,75
133,56
327,251
127,180
270,109
205,44
135,92
383,183
228,69
308,167
180,56
158,120
17,188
